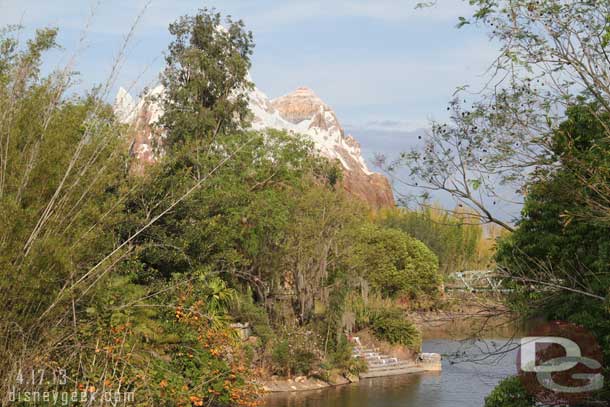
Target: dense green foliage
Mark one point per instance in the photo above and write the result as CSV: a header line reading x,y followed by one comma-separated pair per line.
x,y
557,247
510,393
553,229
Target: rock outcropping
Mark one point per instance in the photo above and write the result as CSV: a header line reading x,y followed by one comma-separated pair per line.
x,y
300,112
141,116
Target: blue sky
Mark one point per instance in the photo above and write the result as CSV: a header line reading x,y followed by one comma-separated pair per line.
x,y
380,64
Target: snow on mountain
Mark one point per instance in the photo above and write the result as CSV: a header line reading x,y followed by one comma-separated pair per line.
x,y
301,112
124,106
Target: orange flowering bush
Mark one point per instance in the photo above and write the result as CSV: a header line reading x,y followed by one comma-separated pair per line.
x,y
170,350
208,364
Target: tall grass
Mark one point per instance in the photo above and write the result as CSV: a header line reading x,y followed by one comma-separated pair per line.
x,y
64,179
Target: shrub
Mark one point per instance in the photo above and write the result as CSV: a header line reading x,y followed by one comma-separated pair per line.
x,y
342,358
304,361
281,355
295,352
390,325
458,243
256,316
289,360
509,393
396,263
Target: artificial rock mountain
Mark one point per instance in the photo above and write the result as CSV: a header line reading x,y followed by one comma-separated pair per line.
x,y
300,112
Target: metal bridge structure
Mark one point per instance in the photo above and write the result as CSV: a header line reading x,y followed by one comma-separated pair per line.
x,y
476,281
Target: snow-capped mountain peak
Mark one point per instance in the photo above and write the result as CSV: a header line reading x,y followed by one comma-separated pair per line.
x,y
303,112
124,106
300,112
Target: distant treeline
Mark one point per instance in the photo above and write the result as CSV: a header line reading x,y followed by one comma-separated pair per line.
x,y
456,236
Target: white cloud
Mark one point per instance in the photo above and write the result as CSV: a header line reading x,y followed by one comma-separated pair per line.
x,y
389,125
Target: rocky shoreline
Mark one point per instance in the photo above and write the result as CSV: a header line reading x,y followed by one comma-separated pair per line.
x,y
301,383
425,362
472,311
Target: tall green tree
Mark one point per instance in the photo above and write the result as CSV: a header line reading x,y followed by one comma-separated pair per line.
x,y
206,79
550,53
315,246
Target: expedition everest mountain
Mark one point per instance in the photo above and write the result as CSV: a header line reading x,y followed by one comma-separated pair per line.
x,y
300,112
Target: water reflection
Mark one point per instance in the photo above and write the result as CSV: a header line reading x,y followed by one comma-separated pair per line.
x,y
384,391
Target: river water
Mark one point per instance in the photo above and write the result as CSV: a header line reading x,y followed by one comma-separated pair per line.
x,y
471,369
